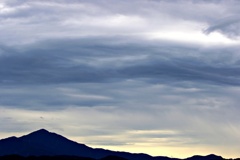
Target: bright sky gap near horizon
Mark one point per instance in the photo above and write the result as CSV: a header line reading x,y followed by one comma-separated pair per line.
x,y
155,76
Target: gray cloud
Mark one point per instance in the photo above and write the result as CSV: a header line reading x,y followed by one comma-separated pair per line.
x,y
77,61
34,20
92,70
229,26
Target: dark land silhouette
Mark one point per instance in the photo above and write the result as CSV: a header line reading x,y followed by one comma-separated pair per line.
x,y
43,144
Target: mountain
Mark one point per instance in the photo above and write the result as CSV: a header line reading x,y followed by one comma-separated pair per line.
x,y
208,157
45,143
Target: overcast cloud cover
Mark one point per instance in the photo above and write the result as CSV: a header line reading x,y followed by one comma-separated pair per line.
x,y
154,76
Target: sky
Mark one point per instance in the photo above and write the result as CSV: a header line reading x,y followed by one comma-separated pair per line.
x,y
155,76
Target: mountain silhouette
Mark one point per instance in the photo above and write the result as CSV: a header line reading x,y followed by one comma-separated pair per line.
x,y
45,143
208,157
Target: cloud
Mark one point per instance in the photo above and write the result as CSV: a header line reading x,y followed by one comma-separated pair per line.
x,y
33,20
229,26
134,74
77,61
193,124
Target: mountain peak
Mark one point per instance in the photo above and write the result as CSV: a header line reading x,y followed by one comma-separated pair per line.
x,y
41,131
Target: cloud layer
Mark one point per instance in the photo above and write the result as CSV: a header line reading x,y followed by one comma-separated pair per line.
x,y
152,76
